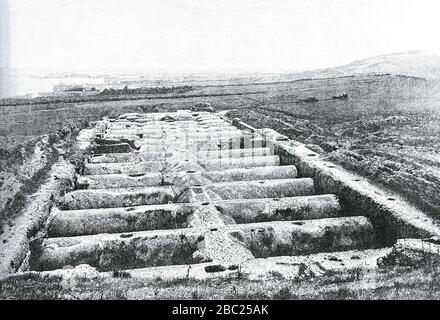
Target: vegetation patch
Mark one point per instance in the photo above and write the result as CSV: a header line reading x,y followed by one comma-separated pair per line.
x,y
395,283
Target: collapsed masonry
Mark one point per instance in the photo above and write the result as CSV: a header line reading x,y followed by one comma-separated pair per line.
x,y
189,194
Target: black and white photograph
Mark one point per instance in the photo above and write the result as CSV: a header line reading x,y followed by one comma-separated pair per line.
x,y
200,151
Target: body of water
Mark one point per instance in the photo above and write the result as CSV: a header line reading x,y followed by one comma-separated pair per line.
x,y
13,86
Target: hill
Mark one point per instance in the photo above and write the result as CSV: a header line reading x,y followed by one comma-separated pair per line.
x,y
412,63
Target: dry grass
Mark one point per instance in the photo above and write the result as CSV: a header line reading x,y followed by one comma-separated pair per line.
x,y
401,284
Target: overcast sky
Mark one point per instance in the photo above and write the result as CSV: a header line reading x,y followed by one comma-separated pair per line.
x,y
198,35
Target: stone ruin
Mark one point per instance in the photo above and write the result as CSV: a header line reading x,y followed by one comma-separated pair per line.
x,y
194,195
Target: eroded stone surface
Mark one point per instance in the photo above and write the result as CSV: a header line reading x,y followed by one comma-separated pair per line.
x,y
273,209
414,253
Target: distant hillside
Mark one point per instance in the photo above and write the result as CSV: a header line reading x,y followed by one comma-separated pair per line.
x,y
413,63
29,81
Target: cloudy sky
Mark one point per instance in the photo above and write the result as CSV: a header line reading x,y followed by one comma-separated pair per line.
x,y
199,35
